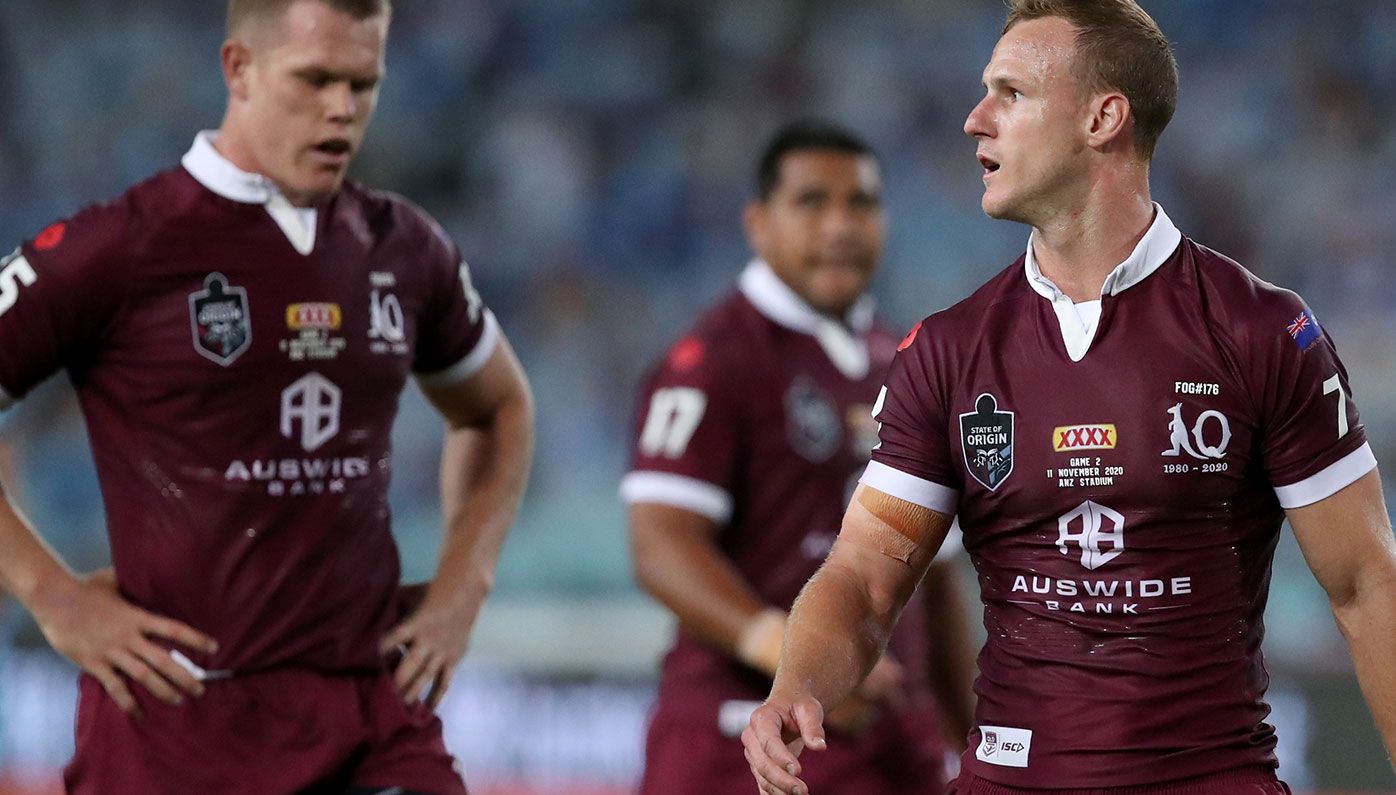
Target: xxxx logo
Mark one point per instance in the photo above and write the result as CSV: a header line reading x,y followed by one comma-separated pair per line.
x,y
1083,437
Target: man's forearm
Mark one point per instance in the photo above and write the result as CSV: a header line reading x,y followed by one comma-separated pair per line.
x,y
27,565
1368,622
677,560
833,638
484,472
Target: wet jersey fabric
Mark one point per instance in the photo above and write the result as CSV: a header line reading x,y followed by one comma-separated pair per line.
x,y
239,362
1120,477
760,419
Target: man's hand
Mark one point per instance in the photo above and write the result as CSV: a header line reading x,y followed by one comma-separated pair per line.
x,y
432,637
88,622
779,730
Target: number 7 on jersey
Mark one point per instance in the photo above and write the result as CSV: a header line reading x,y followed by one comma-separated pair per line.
x,y
1334,385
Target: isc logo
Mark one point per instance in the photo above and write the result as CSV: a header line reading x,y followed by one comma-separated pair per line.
x,y
1007,746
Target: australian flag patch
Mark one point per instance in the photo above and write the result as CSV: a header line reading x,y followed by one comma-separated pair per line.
x,y
1304,330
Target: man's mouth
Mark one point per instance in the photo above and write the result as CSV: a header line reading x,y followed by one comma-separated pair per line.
x,y
990,165
334,147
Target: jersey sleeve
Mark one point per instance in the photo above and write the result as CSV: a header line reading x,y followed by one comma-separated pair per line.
x,y
1312,442
457,332
687,433
913,458
58,294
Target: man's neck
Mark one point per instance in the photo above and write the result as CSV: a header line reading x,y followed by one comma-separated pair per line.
x,y
231,144
1078,248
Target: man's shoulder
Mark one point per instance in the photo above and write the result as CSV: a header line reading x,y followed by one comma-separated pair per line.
x,y
1237,301
722,339
387,213
122,226
961,322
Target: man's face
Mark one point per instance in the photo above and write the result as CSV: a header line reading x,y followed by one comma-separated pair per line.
x,y
821,229
1031,125
308,91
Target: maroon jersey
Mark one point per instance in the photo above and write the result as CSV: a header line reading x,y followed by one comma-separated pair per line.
x,y
1120,477
239,363
760,419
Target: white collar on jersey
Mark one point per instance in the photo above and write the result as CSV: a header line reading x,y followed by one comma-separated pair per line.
x,y
1079,321
218,174
846,346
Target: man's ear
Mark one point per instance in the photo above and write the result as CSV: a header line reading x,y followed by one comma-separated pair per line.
x,y
1111,121
236,57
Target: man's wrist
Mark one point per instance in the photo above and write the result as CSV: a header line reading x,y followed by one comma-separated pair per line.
x,y
45,589
760,641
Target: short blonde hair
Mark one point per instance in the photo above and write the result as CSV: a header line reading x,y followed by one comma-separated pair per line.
x,y
1119,47
240,10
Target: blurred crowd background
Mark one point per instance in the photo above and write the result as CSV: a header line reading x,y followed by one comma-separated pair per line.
x,y
591,158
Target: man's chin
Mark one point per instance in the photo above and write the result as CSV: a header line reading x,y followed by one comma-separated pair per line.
x,y
314,191
999,209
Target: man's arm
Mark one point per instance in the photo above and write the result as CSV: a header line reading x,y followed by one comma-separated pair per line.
x,y
677,560
839,628
952,649
1347,541
87,621
484,470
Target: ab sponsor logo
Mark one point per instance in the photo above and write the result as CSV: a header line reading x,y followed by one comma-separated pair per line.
x,y
310,416
1097,532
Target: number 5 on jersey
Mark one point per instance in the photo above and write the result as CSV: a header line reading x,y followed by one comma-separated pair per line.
x,y
15,271
673,417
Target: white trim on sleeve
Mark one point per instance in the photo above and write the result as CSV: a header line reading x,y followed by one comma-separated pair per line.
x,y
953,546
471,363
679,491
1333,479
899,484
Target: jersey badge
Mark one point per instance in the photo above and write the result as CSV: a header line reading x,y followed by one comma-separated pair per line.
x,y
219,318
909,338
812,420
1304,330
387,324
986,435
1208,439
51,236
687,354
1068,438
313,324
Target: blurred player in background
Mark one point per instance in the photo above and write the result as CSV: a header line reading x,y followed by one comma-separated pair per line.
x,y
752,431
239,330
1122,420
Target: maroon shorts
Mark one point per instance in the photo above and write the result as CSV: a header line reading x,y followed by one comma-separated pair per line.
x,y
1245,781
684,757
280,731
